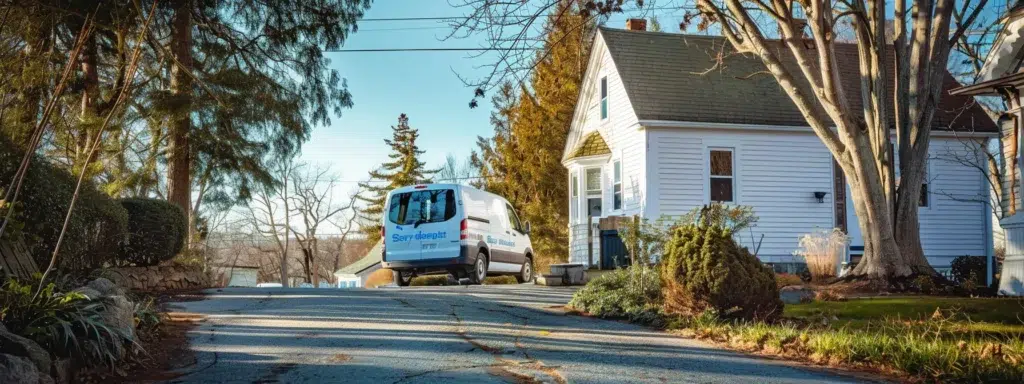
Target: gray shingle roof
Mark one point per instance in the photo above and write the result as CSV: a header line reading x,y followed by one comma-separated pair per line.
x,y
673,77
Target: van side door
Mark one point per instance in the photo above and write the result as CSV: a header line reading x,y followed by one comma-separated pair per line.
x,y
517,251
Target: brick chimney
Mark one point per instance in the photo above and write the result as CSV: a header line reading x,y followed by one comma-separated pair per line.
x,y
636,25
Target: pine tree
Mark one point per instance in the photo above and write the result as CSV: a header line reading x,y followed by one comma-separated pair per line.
x,y
405,168
523,160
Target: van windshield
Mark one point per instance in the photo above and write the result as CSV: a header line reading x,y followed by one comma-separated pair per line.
x,y
428,206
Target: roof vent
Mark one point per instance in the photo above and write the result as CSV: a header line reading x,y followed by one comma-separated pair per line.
x,y
636,25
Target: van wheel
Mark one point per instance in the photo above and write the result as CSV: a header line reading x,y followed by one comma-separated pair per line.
x,y
402,278
479,272
526,275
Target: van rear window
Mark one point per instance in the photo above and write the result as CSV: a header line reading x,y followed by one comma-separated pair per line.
x,y
429,206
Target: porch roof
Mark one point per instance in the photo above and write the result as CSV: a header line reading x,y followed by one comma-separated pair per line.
x,y
593,145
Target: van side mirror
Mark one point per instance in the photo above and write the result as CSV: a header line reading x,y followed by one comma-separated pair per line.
x,y
526,228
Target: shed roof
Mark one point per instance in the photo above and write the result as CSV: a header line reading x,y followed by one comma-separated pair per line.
x,y
373,257
674,77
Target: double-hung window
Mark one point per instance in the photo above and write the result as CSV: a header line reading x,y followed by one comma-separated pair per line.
x,y
604,98
574,200
924,199
722,175
617,185
593,190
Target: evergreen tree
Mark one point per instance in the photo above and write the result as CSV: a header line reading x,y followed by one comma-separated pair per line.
x,y
224,87
523,160
405,168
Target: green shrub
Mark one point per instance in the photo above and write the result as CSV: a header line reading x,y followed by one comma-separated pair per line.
x,y
156,232
704,268
65,324
97,226
633,293
969,270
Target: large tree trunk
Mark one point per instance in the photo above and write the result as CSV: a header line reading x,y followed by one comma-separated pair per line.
x,y
179,159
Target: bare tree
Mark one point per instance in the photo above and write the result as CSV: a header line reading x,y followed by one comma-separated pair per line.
x,y
804,62
455,171
269,213
313,202
345,228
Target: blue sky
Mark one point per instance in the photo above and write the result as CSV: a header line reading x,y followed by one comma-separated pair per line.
x,y
423,85
420,84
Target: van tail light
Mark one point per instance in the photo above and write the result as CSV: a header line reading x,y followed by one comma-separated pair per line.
x,y
382,232
463,230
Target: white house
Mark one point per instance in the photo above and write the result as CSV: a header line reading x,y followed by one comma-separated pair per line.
x,y
662,127
1003,75
354,275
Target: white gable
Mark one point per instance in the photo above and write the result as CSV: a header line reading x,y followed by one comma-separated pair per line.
x,y
587,115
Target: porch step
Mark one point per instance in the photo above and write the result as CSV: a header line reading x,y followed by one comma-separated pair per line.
x,y
564,274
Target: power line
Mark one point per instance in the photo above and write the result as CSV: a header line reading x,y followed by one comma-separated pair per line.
x,y
483,49
412,18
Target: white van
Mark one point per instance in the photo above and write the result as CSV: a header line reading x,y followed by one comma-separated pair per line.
x,y
455,229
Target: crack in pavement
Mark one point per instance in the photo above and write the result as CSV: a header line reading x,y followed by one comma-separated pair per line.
x,y
505,367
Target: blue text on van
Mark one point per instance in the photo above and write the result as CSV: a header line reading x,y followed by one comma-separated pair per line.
x,y
420,236
502,242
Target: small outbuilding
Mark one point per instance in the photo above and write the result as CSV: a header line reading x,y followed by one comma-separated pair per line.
x,y
354,275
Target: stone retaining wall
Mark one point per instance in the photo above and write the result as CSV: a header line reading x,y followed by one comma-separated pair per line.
x,y
159,278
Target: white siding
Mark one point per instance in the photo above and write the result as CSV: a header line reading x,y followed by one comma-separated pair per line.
x,y
954,224
776,173
625,140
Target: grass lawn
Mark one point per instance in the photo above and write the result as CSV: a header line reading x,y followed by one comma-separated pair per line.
x,y
971,340
993,316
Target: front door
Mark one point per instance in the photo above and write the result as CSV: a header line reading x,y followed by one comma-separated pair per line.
x,y
853,226
517,255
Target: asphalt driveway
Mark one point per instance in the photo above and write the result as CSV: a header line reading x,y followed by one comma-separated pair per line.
x,y
475,334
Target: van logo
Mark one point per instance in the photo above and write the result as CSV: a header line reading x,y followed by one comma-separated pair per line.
x,y
398,227
420,236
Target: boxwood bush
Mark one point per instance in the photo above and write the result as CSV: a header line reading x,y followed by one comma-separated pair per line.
x,y
705,269
156,232
97,226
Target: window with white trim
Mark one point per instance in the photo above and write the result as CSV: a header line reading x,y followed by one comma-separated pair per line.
x,y
574,200
617,185
593,191
721,175
604,98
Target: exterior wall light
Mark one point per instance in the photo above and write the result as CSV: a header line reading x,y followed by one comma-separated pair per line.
x,y
820,196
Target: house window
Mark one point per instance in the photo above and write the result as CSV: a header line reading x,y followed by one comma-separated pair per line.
x,y
721,183
923,200
617,185
604,98
574,186
593,189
